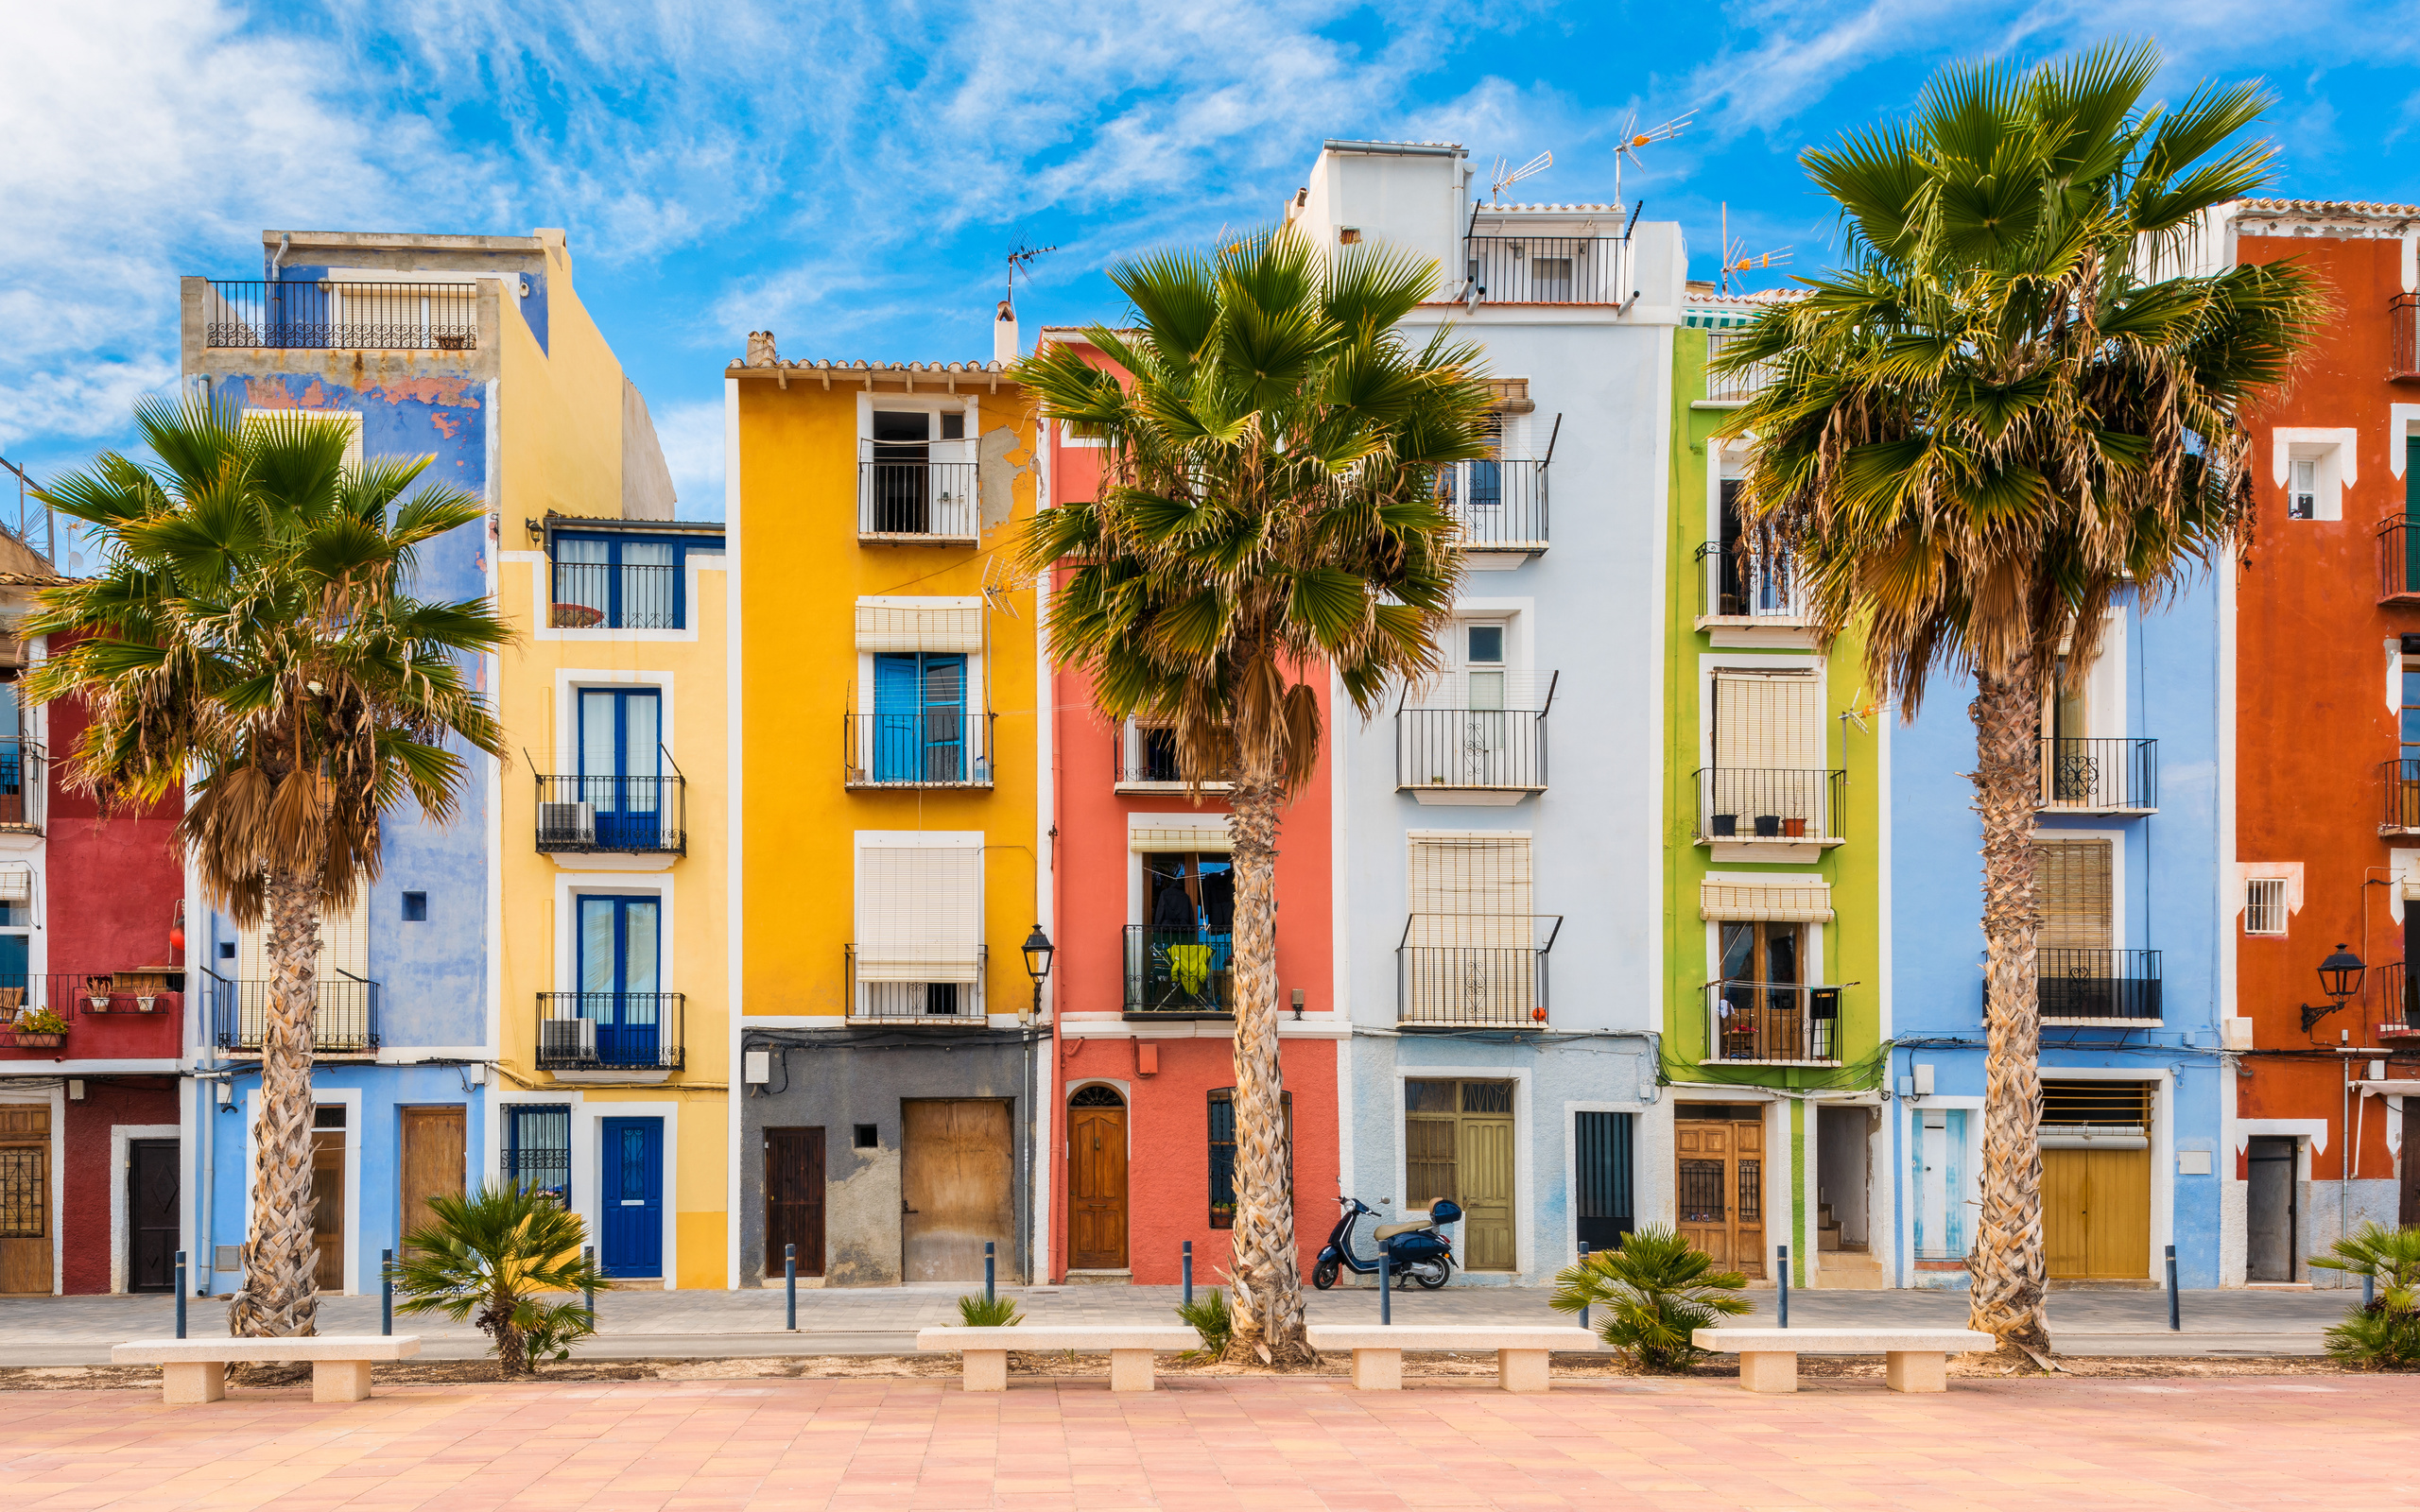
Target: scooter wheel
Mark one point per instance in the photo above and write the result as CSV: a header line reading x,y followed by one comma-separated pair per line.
x,y
1323,1275
1429,1277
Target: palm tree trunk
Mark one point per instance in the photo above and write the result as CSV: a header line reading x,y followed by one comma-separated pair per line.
x,y
1265,1273
280,1295
2009,1280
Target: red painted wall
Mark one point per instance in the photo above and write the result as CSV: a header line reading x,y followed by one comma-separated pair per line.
x,y
114,884
92,1179
2312,719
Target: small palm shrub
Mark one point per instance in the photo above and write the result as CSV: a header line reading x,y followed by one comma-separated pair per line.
x,y
2384,1335
988,1313
1208,1317
1652,1292
504,1254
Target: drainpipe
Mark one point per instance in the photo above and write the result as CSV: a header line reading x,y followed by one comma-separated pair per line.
x,y
277,259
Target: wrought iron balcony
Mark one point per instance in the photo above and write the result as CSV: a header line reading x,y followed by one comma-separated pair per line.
x,y
1474,971
1744,586
337,316
1180,971
2399,559
2399,786
1754,805
24,777
2403,322
917,503
896,987
1501,506
601,595
915,747
105,1013
614,816
1452,750
1546,270
1773,1023
345,1023
2398,1001
2117,775
610,1031
1731,388
1145,760
2075,986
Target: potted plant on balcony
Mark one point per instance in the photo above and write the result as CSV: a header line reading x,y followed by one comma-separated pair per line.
x,y
97,992
1726,826
1767,825
41,1029
1794,829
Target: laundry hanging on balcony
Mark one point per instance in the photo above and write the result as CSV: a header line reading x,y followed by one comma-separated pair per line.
x,y
1798,902
919,624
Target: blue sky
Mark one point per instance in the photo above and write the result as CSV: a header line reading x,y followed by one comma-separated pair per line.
x,y
850,176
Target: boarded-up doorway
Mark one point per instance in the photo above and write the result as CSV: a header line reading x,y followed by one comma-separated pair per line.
x,y
958,1189
25,1198
327,1195
1458,1144
1097,1180
794,1199
433,1151
1721,1182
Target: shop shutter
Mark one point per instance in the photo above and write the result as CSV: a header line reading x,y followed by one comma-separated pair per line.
x,y
1769,721
920,911
919,624
2071,878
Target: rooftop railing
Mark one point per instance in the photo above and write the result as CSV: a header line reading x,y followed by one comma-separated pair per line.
x,y
1546,270
338,315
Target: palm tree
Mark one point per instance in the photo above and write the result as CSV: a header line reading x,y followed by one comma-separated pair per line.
x,y
1267,516
253,623
2017,397
494,1257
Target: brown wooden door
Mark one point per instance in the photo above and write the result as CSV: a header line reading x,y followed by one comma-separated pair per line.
x,y
1096,1185
327,1207
1721,1190
958,1179
153,1215
433,1153
2096,1215
25,1198
794,1198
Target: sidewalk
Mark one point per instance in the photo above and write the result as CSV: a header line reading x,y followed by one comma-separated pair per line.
x,y
883,1320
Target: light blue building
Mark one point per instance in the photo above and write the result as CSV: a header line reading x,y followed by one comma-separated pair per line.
x,y
2129,831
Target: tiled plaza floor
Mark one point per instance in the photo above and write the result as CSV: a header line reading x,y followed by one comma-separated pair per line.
x,y
702,1447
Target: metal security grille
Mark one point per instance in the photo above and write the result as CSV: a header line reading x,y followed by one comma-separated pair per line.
x,y
1222,1149
2264,906
1752,1200
1601,1178
24,1194
1701,1192
2097,1104
537,1151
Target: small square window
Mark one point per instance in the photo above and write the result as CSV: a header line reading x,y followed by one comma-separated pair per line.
x,y
1486,645
226,950
953,426
1348,235
2302,497
865,1136
2264,906
415,908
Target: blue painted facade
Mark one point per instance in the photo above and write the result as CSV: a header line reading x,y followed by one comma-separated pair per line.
x,y
2158,679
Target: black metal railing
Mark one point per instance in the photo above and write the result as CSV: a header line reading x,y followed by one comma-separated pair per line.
x,y
610,1031
1492,749
918,747
1478,969
2399,786
23,776
1772,1021
1546,270
2088,984
1500,505
1179,971
1145,756
2101,773
599,595
1772,803
635,816
1745,584
918,500
30,999
897,990
2403,321
1732,388
2399,559
2398,998
345,1022
312,315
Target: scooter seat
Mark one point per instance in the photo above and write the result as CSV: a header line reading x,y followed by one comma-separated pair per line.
x,y
1388,1231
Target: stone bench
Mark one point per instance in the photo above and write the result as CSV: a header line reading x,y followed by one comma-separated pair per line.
x,y
1914,1359
195,1370
985,1351
1520,1352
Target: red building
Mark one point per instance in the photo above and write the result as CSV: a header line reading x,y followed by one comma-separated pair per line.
x,y
1143,1057
91,1008
2326,713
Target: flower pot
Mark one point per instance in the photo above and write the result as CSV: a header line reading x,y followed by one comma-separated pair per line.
x,y
40,1041
147,1004
1794,829
99,1003
1725,825
1767,825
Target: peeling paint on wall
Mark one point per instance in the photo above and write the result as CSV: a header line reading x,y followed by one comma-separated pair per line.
x,y
861,1216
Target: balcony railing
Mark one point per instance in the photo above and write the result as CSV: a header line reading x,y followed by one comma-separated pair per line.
x,y
2398,1000
1546,270
1774,1023
1731,388
1179,971
600,595
1501,506
1492,751
610,1031
1144,756
2073,985
919,502
2399,786
936,993
1482,970
918,748
2399,559
344,1023
314,315
1755,803
85,998
24,775
2403,321
1750,587
2103,775
632,816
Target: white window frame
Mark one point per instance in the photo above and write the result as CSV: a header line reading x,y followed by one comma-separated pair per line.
x,y
2266,916
2336,452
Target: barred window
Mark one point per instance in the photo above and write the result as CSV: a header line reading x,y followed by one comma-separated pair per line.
x,y
2264,906
1222,1151
537,1150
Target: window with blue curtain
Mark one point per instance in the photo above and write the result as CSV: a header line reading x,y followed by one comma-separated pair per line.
x,y
618,949
621,764
621,582
920,717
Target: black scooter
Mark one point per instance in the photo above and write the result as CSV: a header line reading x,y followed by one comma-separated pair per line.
x,y
1415,1251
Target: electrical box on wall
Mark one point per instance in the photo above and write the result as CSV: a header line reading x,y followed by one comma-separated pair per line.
x,y
758,1067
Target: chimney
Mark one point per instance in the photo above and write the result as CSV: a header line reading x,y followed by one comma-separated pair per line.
x,y
1004,335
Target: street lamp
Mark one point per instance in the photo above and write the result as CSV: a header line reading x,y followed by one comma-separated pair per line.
x,y
2339,977
1038,951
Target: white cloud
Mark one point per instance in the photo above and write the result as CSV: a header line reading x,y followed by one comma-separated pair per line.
x,y
691,432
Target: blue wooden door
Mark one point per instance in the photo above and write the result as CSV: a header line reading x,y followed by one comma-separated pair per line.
x,y
631,1189
621,766
619,982
919,718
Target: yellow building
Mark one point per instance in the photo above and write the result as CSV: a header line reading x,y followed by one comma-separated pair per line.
x,y
888,795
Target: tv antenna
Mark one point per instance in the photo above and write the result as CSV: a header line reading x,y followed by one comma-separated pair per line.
x,y
1505,178
1633,139
1021,259
1737,259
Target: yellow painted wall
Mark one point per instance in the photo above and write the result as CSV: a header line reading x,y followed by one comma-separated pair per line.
x,y
559,443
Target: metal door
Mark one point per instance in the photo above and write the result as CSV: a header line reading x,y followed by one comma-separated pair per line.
x,y
958,1184
2270,1242
630,1198
152,1216
794,1198
1097,1180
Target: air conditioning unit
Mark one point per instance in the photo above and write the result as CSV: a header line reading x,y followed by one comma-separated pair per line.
x,y
567,1039
567,823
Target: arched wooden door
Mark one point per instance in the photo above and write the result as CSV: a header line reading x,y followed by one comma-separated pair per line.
x,y
1097,1180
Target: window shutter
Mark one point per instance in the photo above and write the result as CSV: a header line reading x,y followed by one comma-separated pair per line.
x,y
920,914
1468,889
919,624
1173,838
1786,903
344,945
1770,721
2071,877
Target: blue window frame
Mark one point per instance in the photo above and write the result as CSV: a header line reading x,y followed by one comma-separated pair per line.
x,y
537,1149
622,582
619,945
621,766
920,717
